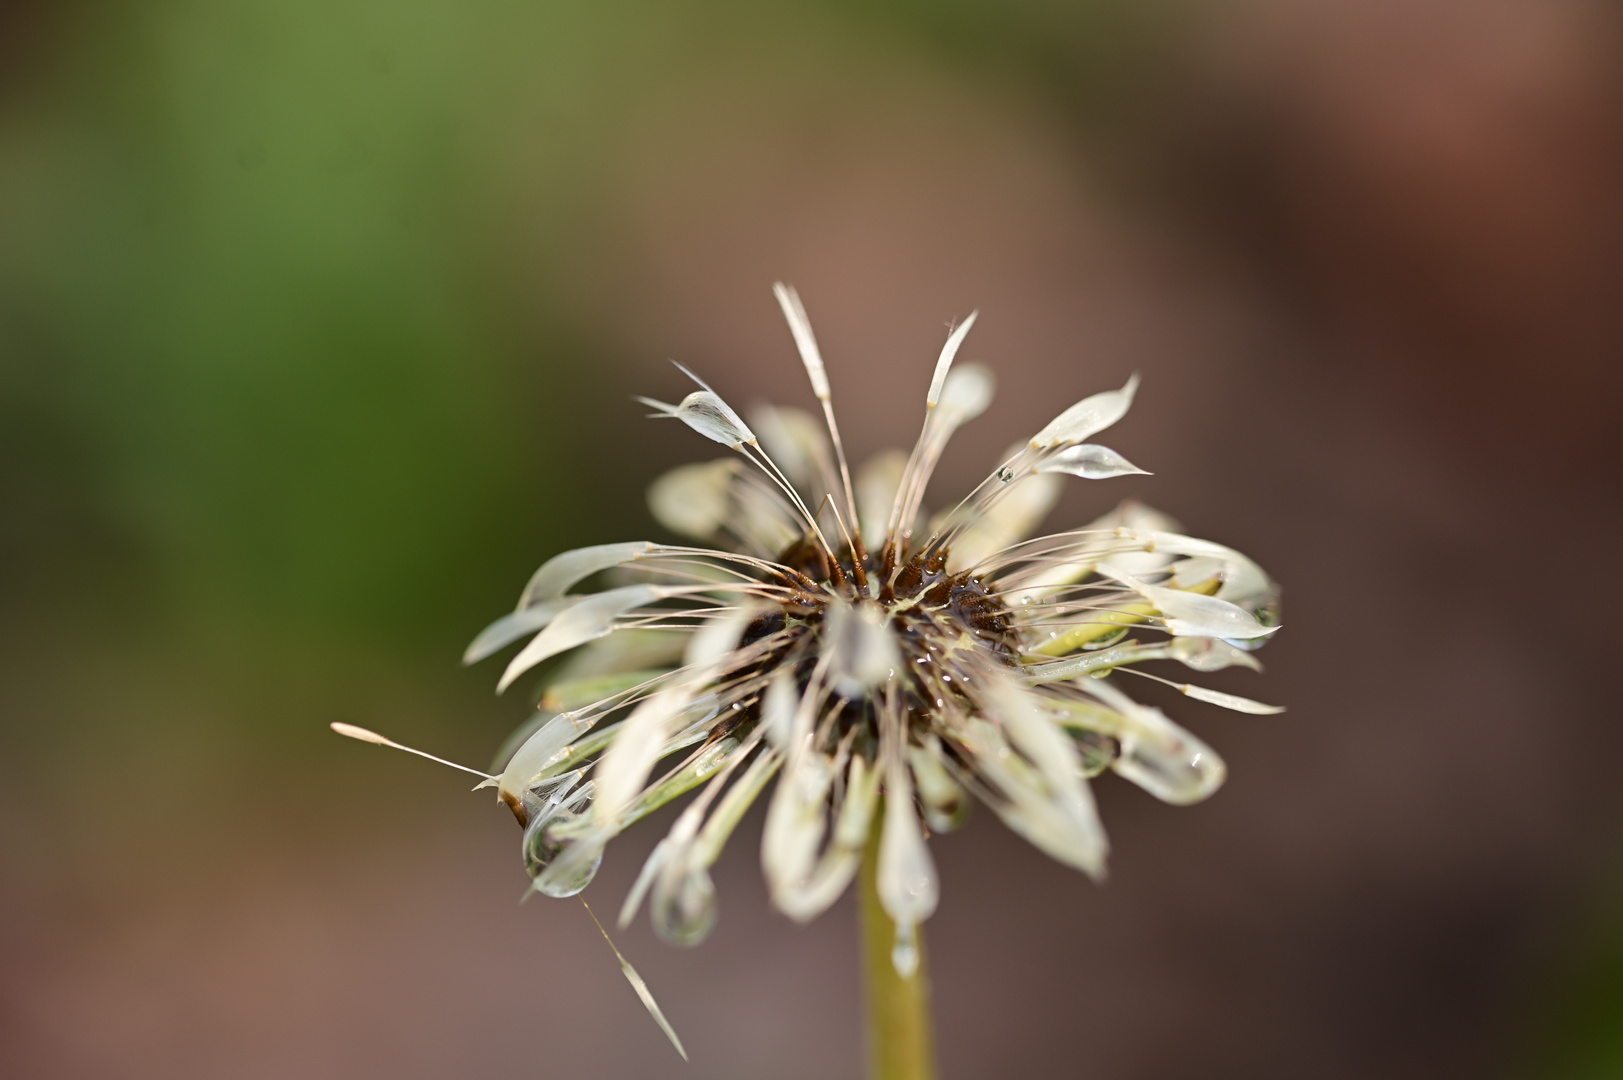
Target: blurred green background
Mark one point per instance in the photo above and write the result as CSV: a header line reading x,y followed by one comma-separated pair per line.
x,y
317,326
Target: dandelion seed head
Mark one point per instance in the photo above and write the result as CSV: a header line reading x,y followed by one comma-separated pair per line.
x,y
869,667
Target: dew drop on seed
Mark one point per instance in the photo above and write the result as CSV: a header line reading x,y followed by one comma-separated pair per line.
x,y
904,954
1005,474
685,914
570,870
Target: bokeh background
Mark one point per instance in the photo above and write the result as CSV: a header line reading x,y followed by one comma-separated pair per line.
x,y
318,320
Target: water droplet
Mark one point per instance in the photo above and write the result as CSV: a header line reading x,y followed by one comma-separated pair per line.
x,y
1098,752
1005,474
904,955
559,867
947,816
539,849
572,870
1176,770
685,913
553,803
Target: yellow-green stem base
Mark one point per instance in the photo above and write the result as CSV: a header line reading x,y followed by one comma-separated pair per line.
x,y
901,1037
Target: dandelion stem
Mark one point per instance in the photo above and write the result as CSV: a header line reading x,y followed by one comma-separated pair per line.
x,y
901,1037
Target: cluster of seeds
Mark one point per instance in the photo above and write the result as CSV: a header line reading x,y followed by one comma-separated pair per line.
x,y
884,664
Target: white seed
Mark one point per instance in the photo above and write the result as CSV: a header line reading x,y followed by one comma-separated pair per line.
x,y
861,648
1244,582
592,618
1157,754
800,326
1089,461
629,759
705,412
1210,654
795,823
558,573
717,637
1230,701
778,709
968,392
906,877
693,499
1087,417
539,751
877,482
939,380
1192,614
509,628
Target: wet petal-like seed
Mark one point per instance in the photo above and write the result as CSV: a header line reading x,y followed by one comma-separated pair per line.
x,y
592,618
1087,417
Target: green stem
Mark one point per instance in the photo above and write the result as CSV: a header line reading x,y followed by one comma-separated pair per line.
x,y
901,1041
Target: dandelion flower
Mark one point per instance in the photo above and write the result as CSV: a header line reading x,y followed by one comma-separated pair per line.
x,y
829,634
882,664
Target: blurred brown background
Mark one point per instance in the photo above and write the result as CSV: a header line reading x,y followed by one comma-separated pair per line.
x,y
317,326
